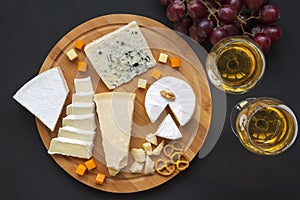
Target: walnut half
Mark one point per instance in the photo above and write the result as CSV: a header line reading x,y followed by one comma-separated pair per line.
x,y
168,95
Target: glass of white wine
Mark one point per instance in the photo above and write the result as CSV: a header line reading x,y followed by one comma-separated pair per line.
x,y
235,64
264,126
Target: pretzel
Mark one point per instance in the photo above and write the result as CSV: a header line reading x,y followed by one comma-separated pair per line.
x,y
181,161
173,147
164,167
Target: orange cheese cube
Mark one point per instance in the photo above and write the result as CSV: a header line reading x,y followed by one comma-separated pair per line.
x,y
82,66
156,74
100,178
80,170
79,44
175,62
90,164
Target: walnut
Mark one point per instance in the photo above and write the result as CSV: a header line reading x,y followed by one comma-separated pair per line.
x,y
168,95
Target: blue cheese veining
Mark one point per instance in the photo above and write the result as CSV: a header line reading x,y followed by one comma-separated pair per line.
x,y
120,55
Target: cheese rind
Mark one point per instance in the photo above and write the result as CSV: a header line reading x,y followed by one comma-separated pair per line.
x,y
75,133
80,108
115,111
86,122
120,55
44,96
71,147
168,129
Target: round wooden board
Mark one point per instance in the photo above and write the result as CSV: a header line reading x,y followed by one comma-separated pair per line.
x,y
125,182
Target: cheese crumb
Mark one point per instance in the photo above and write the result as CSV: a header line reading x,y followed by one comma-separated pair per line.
x,y
175,62
90,164
163,58
82,66
80,170
72,55
142,83
79,44
156,74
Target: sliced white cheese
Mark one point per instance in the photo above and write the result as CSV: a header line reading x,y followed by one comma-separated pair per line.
x,y
79,108
168,129
83,84
151,138
86,122
149,166
182,107
44,96
147,147
136,167
83,97
115,111
157,150
75,133
71,147
120,55
138,154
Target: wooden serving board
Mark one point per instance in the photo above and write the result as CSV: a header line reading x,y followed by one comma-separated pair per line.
x,y
191,70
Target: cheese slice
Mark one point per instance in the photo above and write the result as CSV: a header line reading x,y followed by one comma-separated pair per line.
x,y
75,133
182,107
83,84
44,96
86,122
168,129
79,108
120,55
84,97
71,147
149,166
115,110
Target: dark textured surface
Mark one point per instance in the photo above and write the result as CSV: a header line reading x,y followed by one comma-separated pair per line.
x,y
29,29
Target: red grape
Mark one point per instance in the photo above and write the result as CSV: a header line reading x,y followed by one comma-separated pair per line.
x,y
258,28
227,13
183,25
269,14
253,4
274,32
263,40
216,35
175,11
195,9
231,29
238,4
204,28
193,33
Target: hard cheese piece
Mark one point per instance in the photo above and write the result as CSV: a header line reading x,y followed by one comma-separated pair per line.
x,y
44,96
71,147
138,154
86,122
182,107
115,110
83,84
168,129
120,55
75,133
80,108
85,97
149,166
136,167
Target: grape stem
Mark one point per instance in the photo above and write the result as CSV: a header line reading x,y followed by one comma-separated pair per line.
x,y
211,13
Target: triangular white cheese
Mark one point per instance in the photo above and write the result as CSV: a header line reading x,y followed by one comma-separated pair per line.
x,y
44,96
168,129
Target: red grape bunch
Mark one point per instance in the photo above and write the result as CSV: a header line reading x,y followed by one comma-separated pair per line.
x,y
217,19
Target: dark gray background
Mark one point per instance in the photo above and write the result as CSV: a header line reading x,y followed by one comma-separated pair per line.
x,y
29,29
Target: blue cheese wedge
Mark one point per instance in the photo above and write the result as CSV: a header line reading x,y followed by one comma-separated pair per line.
x,y
44,96
182,104
71,147
121,55
115,112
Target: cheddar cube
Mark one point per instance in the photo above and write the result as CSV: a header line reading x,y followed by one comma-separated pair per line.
x,y
79,44
163,58
82,66
156,74
142,83
100,178
72,55
175,62
90,164
80,170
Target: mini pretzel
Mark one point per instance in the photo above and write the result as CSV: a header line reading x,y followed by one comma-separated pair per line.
x,y
165,168
181,160
173,147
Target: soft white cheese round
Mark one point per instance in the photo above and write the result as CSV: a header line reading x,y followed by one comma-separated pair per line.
x,y
182,107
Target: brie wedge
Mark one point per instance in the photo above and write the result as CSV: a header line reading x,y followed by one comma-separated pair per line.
x,y
71,147
120,55
115,111
44,96
168,129
182,106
